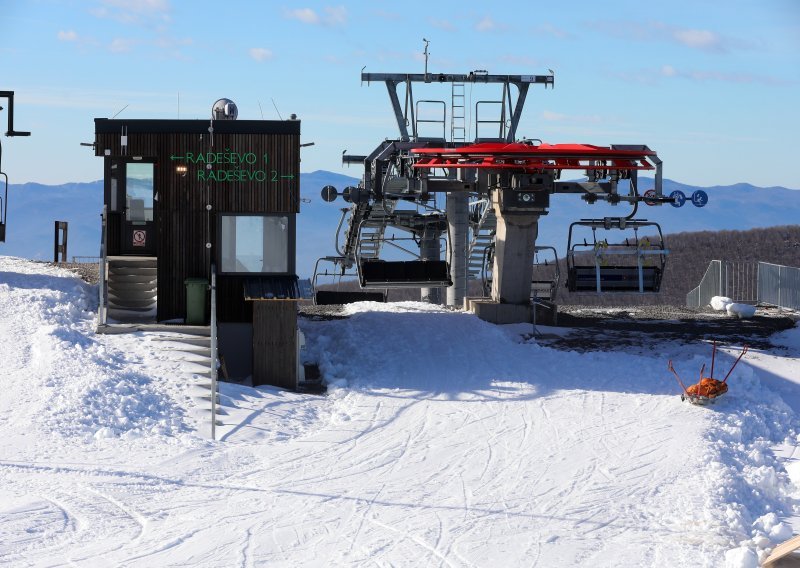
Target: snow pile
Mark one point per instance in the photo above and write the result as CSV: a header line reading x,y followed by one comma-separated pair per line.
x,y
747,487
741,557
720,303
77,387
742,311
725,304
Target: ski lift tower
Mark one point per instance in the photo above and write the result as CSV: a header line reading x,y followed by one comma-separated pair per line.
x,y
496,188
9,96
459,184
390,181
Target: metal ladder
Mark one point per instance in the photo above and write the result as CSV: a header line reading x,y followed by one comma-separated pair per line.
x,y
458,125
482,236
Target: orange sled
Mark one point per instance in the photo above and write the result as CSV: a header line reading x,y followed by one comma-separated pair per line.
x,y
708,389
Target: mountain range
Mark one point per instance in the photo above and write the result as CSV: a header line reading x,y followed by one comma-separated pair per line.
x,y
34,207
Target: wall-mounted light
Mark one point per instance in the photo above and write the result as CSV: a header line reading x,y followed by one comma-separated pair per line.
x,y
181,169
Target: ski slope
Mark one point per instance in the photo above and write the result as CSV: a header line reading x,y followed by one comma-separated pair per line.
x,y
443,441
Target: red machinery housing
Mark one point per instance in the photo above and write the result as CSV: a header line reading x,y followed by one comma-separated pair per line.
x,y
526,157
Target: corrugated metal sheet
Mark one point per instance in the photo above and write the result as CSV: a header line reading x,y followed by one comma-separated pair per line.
x,y
271,288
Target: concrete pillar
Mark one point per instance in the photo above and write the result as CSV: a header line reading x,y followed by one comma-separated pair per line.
x,y
515,242
429,250
457,209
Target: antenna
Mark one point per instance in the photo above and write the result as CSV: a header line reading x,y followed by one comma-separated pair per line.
x,y
276,108
120,110
179,105
261,109
425,53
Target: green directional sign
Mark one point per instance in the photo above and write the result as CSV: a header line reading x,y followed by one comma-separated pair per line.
x,y
232,166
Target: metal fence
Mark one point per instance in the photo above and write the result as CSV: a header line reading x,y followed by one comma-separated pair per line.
x,y
740,281
748,283
709,286
779,285
85,259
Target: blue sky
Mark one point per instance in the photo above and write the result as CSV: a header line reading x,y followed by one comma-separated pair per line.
x,y
714,87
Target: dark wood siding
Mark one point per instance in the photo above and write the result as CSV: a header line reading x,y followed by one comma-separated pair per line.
x,y
275,343
183,223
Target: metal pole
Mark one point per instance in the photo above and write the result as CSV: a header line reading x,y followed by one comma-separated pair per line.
x,y
101,308
213,351
55,244
429,250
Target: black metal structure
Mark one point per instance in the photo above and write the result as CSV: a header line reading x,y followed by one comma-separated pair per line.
x,y
403,177
8,95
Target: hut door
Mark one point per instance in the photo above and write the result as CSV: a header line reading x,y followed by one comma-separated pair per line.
x,y
138,197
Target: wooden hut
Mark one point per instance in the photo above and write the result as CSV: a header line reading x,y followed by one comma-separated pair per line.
x,y
183,196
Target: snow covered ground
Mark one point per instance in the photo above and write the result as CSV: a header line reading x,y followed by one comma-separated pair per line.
x,y
443,441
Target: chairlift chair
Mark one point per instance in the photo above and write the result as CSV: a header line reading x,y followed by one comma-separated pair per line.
x,y
338,272
602,266
374,272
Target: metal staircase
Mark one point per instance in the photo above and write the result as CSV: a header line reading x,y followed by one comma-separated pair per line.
x,y
482,236
372,231
132,289
366,228
192,349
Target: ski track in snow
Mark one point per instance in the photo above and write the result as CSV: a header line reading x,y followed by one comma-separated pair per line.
x,y
443,441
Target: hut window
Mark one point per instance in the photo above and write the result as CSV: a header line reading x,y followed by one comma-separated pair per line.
x,y
139,192
254,244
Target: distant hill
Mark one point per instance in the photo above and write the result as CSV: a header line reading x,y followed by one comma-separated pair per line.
x,y
34,207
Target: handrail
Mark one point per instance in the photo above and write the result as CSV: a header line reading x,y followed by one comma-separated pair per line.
x,y
213,351
102,312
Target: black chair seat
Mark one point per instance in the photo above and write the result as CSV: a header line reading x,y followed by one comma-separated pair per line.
x,y
405,273
613,279
329,297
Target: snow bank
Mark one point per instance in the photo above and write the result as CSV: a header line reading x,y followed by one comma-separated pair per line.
x,y
444,440
73,384
725,304
449,354
720,303
789,339
741,557
749,487
742,311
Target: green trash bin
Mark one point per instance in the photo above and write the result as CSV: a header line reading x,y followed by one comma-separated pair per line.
x,y
196,300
